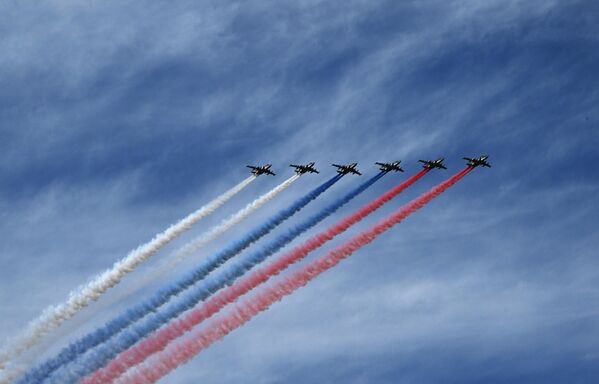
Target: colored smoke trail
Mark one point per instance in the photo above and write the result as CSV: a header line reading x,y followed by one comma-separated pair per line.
x,y
137,353
179,353
195,245
78,299
112,327
198,243
95,359
308,246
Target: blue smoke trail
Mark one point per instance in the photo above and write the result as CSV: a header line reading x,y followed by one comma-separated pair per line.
x,y
103,354
81,346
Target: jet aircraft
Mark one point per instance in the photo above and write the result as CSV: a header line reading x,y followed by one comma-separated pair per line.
x,y
430,164
263,170
481,160
388,167
301,169
345,169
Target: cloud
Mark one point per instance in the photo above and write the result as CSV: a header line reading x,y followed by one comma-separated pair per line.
x,y
118,118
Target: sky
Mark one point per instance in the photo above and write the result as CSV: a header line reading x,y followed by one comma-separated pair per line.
x,y
117,118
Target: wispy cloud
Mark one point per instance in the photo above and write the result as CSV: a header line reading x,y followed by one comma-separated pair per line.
x,y
106,108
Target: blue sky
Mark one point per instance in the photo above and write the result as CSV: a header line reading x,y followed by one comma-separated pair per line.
x,y
119,118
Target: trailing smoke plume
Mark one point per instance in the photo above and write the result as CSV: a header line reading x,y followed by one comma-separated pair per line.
x,y
78,299
179,353
211,284
94,359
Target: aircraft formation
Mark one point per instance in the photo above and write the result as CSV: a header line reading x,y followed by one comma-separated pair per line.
x,y
395,166
154,329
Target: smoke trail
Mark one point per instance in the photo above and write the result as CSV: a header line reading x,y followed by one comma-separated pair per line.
x,y
115,326
53,316
159,340
179,353
198,243
138,353
195,245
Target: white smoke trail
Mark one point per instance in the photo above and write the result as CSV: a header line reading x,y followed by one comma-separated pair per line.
x,y
136,313
195,245
78,299
198,243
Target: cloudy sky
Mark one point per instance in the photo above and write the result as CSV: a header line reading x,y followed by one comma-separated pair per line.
x,y
117,118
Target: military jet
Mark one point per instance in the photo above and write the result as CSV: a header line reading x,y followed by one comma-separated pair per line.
x,y
301,169
388,167
430,164
263,170
481,160
345,169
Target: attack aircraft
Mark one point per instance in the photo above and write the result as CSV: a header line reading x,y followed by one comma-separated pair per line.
x,y
475,162
263,170
388,167
430,164
301,169
345,169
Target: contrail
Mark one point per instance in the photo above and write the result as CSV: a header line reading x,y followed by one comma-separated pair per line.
x,y
195,245
212,283
179,353
53,316
93,339
159,340
207,237
136,313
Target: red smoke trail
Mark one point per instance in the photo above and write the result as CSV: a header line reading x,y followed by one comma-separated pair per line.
x,y
179,353
159,340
